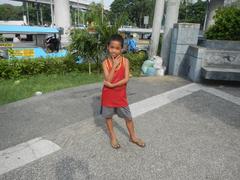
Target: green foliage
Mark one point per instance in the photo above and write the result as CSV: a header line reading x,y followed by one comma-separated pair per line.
x,y
2,39
105,31
94,13
12,90
119,7
11,69
9,12
135,11
227,25
92,46
84,43
136,60
192,13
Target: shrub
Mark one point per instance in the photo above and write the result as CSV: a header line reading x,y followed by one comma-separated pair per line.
x,y
85,45
136,60
10,69
227,25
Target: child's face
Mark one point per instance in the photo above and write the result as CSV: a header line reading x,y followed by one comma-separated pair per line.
x,y
114,48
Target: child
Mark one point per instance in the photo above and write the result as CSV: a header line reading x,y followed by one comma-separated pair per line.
x,y
114,96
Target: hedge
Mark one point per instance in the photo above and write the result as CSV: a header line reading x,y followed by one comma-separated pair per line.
x,y
136,60
227,25
12,69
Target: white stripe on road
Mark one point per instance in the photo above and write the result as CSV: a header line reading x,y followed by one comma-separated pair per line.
x,y
21,154
221,94
157,101
27,152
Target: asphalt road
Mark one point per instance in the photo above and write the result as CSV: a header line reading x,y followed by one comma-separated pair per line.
x,y
192,133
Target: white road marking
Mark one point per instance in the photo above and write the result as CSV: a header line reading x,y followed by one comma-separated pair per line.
x,y
221,94
157,101
21,154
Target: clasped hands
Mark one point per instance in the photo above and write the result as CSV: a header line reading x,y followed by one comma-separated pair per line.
x,y
109,84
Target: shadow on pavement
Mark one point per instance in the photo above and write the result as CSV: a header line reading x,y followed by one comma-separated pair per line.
x,y
99,121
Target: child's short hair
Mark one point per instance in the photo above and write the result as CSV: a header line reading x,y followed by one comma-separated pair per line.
x,y
116,37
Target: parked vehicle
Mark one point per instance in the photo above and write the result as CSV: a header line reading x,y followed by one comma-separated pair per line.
x,y
30,42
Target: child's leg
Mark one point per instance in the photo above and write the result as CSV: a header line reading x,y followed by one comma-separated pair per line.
x,y
130,127
132,134
124,112
111,132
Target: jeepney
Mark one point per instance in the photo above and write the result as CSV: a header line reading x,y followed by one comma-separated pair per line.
x,y
23,42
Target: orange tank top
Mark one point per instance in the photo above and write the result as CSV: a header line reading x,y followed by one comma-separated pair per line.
x,y
115,97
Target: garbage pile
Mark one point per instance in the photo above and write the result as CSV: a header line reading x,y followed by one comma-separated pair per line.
x,y
153,67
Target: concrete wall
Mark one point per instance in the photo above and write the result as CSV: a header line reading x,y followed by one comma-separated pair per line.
x,y
212,59
221,45
212,6
183,35
225,64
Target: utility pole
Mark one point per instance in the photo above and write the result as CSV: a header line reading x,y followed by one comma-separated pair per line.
x,y
171,18
52,13
78,21
41,15
37,11
27,13
156,30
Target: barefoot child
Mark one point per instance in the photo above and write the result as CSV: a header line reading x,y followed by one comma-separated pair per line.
x,y
114,96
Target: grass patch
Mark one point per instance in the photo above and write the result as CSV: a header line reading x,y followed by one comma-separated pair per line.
x,y
13,90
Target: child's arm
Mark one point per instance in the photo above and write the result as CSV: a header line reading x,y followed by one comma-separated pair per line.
x,y
108,76
126,78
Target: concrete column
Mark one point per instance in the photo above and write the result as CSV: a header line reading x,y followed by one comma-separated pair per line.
x,y
212,7
157,21
62,18
171,19
183,35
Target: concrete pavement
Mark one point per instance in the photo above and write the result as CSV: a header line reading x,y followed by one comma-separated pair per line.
x,y
194,136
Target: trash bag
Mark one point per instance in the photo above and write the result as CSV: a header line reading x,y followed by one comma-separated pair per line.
x,y
157,62
151,71
146,65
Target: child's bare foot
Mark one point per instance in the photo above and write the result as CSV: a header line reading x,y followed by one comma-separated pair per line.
x,y
115,144
138,142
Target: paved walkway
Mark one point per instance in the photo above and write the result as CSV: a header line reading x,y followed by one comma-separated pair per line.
x,y
192,132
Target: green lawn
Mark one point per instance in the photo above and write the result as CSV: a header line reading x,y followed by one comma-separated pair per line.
x,y
13,90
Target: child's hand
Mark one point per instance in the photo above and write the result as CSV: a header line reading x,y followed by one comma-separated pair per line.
x,y
116,61
108,84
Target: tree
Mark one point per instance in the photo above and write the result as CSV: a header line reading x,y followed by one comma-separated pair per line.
x,y
10,12
92,45
192,13
94,13
85,45
135,10
227,26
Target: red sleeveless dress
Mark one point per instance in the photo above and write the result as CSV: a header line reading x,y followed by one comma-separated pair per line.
x,y
115,97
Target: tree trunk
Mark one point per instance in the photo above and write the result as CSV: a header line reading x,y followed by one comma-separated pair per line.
x,y
89,68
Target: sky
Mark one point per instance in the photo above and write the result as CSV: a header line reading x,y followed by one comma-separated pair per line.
x,y
106,2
